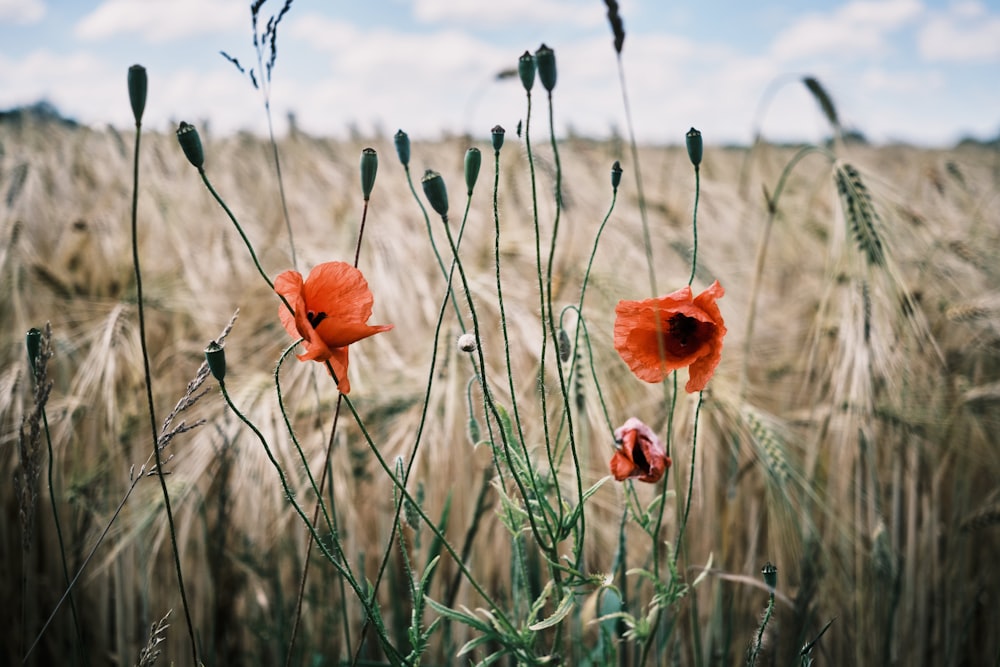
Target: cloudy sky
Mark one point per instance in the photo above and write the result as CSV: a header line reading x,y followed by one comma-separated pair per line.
x,y
922,71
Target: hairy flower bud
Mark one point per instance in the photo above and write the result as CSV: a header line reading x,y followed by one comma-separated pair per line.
x,y
616,174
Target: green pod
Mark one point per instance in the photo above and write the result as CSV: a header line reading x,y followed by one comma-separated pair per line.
x,y
187,136
402,141
694,146
33,342
215,356
435,191
545,58
770,573
616,174
526,70
473,160
137,85
369,167
498,133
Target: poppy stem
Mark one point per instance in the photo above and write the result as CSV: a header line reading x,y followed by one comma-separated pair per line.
x,y
366,602
149,397
399,484
246,241
361,233
694,223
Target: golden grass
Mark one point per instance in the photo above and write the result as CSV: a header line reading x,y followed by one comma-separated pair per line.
x,y
863,442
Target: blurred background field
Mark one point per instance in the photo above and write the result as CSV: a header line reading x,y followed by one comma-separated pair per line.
x,y
853,443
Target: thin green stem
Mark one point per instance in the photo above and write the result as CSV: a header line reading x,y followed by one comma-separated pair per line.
x,y
491,406
759,641
149,398
437,255
344,571
694,224
563,384
62,546
494,608
542,394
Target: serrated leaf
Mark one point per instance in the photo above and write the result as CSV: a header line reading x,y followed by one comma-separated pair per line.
x,y
557,616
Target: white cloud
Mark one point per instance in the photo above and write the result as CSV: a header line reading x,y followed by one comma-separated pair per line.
x,y
22,12
508,13
858,28
968,33
162,20
880,81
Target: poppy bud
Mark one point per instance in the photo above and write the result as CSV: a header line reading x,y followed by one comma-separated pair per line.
x,y
498,133
546,60
435,191
137,91
694,146
770,573
402,140
215,355
526,70
616,174
33,341
467,342
473,160
187,136
369,166
565,349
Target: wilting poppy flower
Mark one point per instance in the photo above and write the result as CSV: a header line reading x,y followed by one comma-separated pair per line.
x,y
640,454
331,308
657,336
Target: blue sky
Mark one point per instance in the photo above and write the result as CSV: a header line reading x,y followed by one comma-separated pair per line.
x,y
921,71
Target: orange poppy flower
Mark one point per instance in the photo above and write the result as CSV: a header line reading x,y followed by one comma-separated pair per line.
x,y
657,336
331,308
639,454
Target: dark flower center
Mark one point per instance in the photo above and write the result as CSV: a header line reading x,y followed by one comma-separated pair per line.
x,y
315,318
683,329
639,457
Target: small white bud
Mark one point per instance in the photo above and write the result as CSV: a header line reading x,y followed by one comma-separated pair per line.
x,y
467,342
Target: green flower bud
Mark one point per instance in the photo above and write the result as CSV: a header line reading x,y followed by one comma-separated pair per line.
x,y
473,160
187,136
369,167
498,133
694,146
546,60
435,191
137,91
526,70
215,355
402,141
616,174
33,341
565,348
770,573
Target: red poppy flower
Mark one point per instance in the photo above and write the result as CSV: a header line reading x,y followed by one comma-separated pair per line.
x,y
640,454
331,308
657,336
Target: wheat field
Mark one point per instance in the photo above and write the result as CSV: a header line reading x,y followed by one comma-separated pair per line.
x,y
851,440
